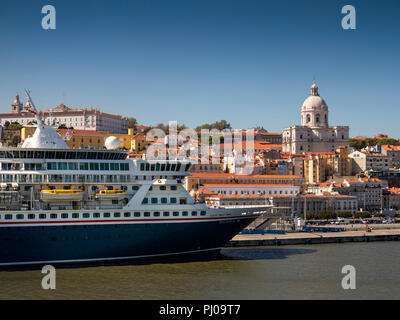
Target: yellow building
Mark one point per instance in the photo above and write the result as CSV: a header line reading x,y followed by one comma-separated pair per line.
x,y
27,132
139,143
125,140
314,169
82,139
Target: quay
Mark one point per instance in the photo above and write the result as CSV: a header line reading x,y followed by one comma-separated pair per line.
x,y
292,238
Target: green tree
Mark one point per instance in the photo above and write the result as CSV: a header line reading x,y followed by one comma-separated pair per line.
x,y
219,125
131,122
14,126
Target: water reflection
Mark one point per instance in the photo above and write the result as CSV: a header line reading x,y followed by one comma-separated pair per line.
x,y
250,253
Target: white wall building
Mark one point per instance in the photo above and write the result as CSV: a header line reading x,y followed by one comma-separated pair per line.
x,y
80,119
253,189
314,134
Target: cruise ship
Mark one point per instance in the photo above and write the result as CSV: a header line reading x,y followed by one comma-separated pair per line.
x,y
61,205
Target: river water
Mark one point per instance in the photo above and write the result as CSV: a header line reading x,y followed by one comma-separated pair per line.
x,y
286,272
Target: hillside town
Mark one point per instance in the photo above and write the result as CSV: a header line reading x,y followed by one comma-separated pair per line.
x,y
312,169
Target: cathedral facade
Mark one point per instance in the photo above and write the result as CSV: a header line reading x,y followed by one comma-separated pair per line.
x,y
314,134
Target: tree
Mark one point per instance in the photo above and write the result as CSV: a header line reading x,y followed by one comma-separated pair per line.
x,y
14,126
131,122
219,125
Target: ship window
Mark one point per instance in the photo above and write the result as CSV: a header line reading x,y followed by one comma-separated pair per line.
x,y
53,216
153,167
41,216
157,167
86,215
151,188
127,214
75,215
147,166
114,201
166,214
194,213
175,213
156,214
106,214
72,166
184,213
187,167
31,216
137,214
102,166
202,213
83,166
163,167
163,188
173,187
173,200
147,214
135,188
168,167
142,167
178,166
164,200
64,215
117,214
96,215
154,200
173,166
145,200
8,216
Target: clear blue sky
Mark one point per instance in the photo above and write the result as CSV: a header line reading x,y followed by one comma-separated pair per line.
x,y
250,62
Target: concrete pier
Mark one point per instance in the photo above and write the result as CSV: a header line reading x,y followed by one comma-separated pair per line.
x,y
247,240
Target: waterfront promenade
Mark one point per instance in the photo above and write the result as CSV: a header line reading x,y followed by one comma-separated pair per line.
x,y
384,233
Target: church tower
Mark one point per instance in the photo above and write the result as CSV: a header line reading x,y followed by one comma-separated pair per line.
x,y
16,106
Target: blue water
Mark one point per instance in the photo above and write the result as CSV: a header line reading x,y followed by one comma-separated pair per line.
x,y
287,272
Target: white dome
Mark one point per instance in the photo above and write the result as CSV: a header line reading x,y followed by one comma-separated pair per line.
x,y
112,143
314,112
314,102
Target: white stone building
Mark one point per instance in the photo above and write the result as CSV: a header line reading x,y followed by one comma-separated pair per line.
x,y
314,134
363,161
80,119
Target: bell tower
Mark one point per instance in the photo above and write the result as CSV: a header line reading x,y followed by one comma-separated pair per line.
x,y
16,106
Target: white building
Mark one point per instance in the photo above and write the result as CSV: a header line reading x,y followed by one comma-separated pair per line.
x,y
80,119
314,134
253,189
363,161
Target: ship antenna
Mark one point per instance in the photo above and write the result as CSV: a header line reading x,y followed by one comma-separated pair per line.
x,y
33,109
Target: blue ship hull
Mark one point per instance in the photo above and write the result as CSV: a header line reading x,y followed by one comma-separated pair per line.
x,y
22,245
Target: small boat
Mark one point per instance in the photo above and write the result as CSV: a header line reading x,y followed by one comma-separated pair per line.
x,y
111,194
61,195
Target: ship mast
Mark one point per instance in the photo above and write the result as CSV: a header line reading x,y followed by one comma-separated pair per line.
x,y
33,109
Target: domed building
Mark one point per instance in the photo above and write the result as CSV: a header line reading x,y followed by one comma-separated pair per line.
x,y
314,134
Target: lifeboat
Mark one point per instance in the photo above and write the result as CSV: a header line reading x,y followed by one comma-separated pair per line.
x,y
110,194
61,195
